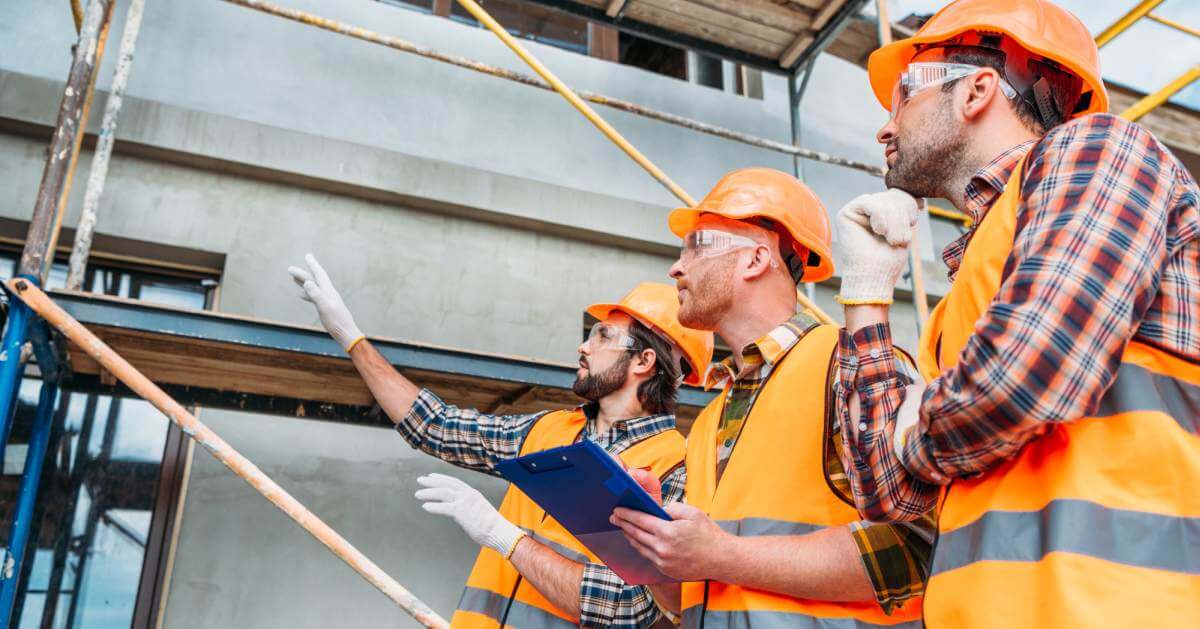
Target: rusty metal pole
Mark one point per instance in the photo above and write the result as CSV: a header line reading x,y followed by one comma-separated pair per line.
x,y
104,147
63,151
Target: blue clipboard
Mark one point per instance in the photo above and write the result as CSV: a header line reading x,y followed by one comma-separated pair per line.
x,y
579,485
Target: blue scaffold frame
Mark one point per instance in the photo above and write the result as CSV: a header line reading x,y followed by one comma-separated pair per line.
x,y
21,327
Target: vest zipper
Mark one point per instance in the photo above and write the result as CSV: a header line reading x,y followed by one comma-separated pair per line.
x,y
704,605
511,597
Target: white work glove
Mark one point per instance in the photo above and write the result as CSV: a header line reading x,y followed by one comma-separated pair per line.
x,y
446,495
319,291
875,231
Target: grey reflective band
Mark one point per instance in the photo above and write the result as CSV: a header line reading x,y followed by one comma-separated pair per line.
x,y
1135,538
782,620
753,527
1139,389
480,601
492,605
569,553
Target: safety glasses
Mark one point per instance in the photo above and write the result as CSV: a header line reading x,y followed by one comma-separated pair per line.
x,y
608,336
923,75
707,243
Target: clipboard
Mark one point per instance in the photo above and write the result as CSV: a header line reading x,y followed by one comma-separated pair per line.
x,y
579,485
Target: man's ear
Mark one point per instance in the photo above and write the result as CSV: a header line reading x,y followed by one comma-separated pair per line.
x,y
757,264
980,90
645,363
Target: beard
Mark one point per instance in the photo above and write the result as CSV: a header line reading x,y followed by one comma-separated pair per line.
x,y
709,296
595,386
928,157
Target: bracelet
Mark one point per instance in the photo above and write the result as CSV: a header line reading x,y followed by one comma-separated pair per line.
x,y
863,302
350,347
512,549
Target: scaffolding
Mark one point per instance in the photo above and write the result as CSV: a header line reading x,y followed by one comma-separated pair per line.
x,y
153,334
524,382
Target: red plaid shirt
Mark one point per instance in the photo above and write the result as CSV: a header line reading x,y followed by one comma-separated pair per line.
x,y
1107,249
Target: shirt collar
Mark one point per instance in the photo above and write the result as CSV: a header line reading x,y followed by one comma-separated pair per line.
x,y
633,427
985,187
988,182
769,349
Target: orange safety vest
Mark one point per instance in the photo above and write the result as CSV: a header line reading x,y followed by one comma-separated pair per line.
x,y
496,595
1097,522
775,484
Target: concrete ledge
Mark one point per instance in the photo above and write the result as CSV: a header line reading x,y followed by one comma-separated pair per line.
x,y
202,140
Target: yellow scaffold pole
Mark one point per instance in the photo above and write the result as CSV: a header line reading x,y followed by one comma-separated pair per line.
x,y
492,25
113,363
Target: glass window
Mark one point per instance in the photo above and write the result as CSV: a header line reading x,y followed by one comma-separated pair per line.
x,y
532,21
103,504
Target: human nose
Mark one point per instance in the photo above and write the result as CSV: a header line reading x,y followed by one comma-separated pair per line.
x,y
887,132
676,270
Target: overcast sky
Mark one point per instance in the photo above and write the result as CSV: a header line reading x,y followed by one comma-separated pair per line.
x,y
1144,57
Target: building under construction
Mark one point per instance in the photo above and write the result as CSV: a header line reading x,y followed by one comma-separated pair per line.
x,y
468,212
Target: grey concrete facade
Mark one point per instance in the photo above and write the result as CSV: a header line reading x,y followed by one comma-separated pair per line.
x,y
448,206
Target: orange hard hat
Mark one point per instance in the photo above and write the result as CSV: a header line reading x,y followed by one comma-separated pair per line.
x,y
656,306
1039,27
769,194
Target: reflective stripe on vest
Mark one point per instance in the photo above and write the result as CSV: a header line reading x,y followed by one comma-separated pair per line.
x,y
1094,523
775,484
780,620
494,581
490,605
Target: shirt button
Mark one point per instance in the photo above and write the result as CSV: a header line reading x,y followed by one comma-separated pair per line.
x,y
874,352
729,443
862,426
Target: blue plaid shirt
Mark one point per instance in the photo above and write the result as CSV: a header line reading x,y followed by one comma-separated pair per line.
x,y
478,441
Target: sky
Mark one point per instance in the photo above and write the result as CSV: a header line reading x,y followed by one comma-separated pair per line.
x,y
1145,57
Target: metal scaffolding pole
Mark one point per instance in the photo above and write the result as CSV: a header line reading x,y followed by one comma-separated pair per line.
x,y
1147,104
55,316
487,20
396,43
63,153
22,523
1121,25
104,146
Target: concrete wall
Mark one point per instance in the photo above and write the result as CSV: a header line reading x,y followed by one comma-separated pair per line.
x,y
449,207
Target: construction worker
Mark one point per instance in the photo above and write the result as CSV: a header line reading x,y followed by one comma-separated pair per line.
x,y
530,571
768,536
1060,413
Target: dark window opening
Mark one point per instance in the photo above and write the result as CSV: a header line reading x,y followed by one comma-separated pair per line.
x,y
709,71
653,56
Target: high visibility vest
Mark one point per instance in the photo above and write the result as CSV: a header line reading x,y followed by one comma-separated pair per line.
x,y
496,594
775,484
1094,524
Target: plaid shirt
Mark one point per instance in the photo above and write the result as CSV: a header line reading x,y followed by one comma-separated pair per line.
x,y
477,441
1107,249
896,556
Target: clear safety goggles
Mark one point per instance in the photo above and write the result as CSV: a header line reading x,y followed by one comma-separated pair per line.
x,y
923,75
609,336
707,243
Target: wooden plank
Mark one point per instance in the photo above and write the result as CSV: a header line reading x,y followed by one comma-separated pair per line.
x,y
826,13
614,8
736,25
241,369
652,14
781,15
795,49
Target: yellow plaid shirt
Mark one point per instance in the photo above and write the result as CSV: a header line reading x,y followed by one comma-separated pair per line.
x,y
896,556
